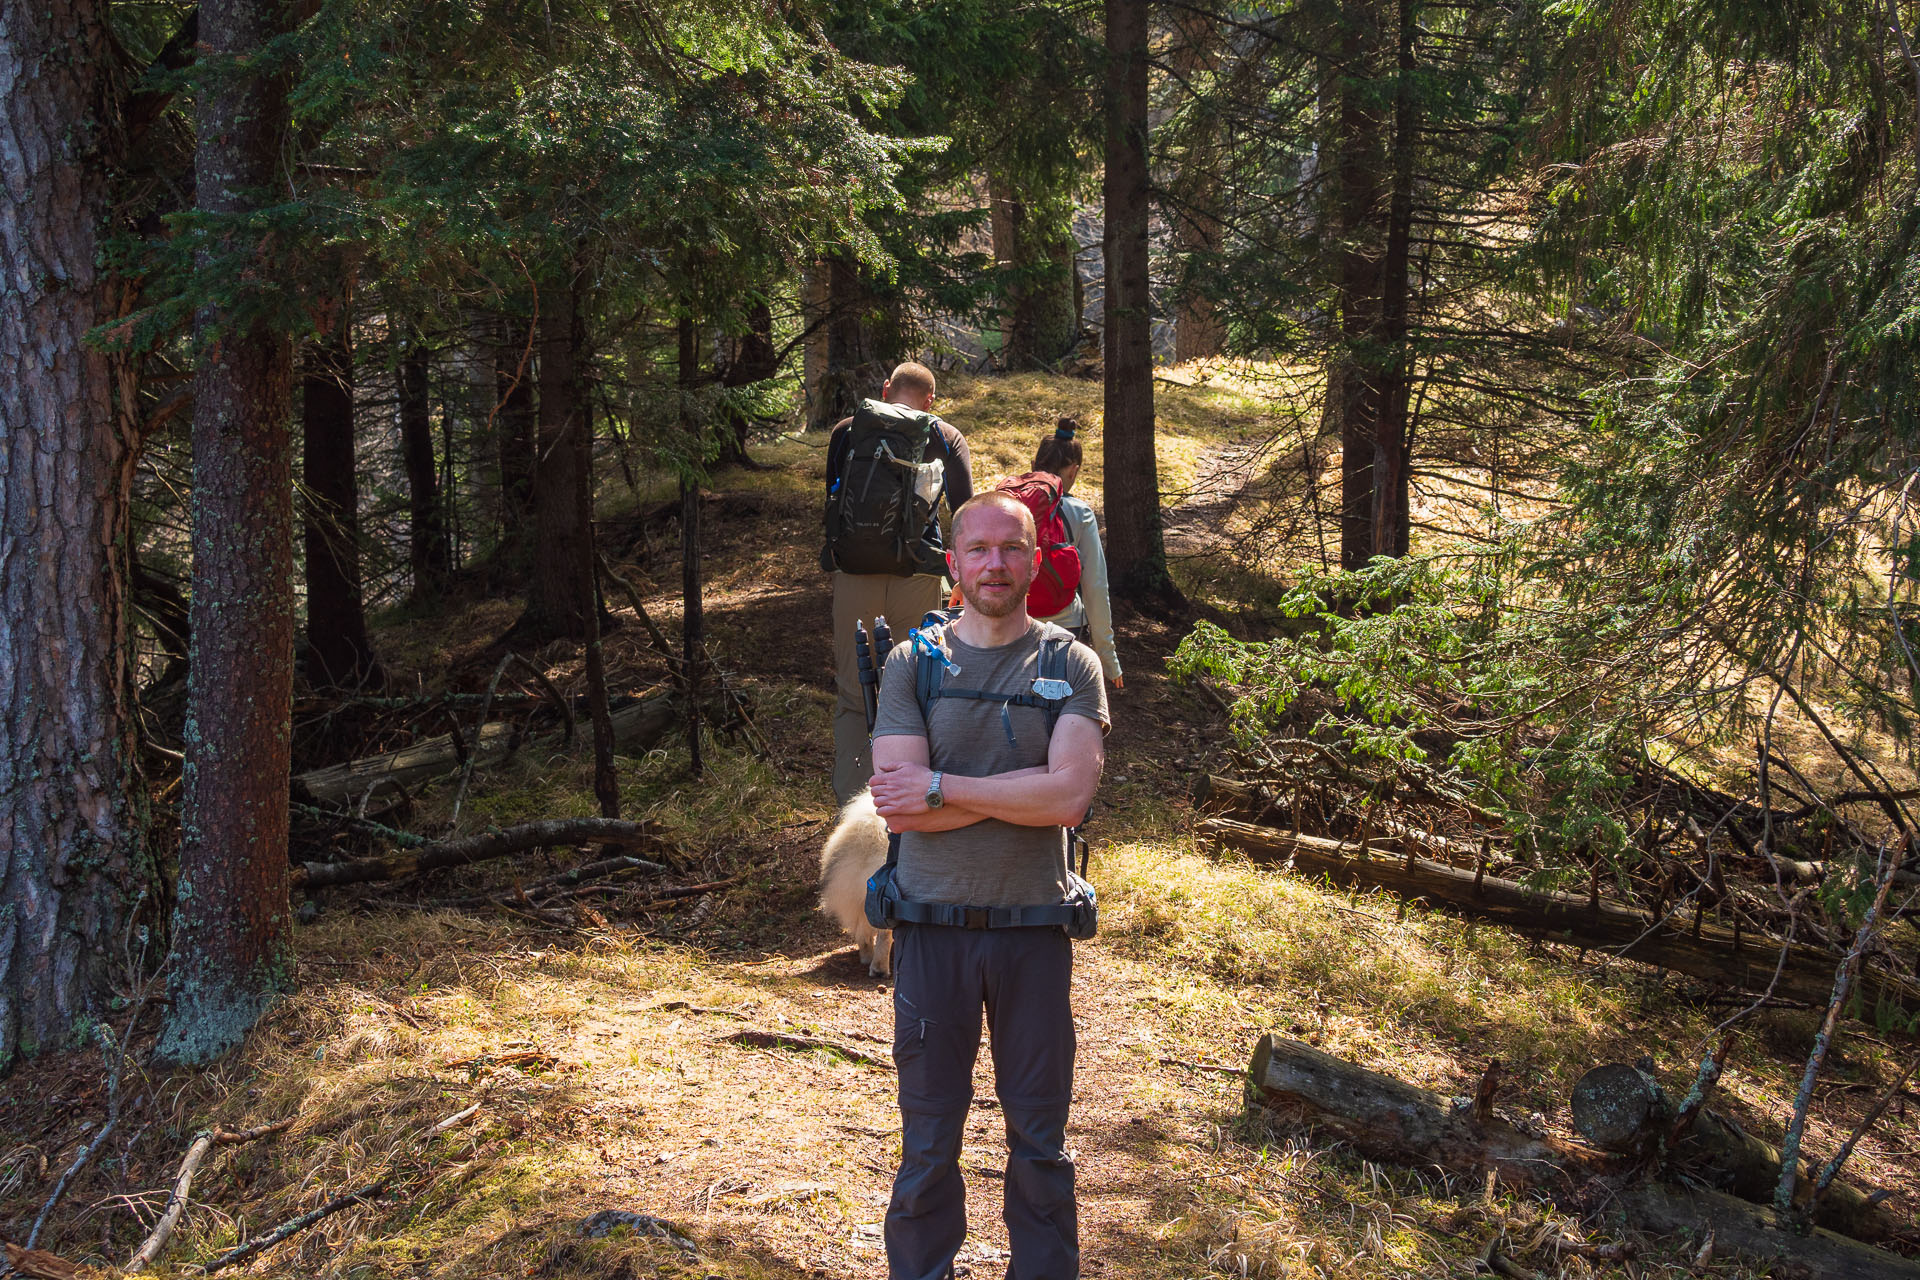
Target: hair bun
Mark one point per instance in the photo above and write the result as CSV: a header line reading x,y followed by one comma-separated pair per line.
x,y
1065,430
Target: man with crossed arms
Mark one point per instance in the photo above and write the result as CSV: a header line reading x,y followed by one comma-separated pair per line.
x,y
983,797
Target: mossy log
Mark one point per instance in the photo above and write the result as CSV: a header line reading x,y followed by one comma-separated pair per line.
x,y
1387,1119
640,724
1711,953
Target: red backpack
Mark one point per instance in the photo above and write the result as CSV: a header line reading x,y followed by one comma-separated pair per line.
x,y
1058,578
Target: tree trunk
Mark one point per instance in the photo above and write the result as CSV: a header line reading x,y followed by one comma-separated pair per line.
x,y
560,594
1136,550
339,654
816,301
514,430
67,837
693,641
1198,331
426,520
230,946
1040,316
754,358
1358,191
851,362
1391,354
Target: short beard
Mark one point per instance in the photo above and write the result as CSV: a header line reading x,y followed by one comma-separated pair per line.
x,y
987,609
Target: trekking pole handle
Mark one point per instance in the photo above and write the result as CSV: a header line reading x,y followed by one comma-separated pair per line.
x,y
863,660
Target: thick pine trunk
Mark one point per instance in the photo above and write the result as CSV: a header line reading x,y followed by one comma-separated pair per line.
x,y
1136,550
851,360
230,944
1359,195
339,654
426,519
1391,355
67,839
560,593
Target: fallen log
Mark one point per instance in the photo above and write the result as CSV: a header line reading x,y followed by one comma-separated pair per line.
x,y
1621,1108
1704,951
1229,797
640,724
1387,1119
459,853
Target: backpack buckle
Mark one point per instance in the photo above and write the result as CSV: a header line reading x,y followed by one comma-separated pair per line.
x,y
974,918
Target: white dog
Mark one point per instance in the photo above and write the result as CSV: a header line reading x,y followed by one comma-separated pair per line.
x,y
855,850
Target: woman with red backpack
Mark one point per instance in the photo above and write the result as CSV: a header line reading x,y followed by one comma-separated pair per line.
x,y
1090,615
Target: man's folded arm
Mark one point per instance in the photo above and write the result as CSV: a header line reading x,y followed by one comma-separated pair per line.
x,y
1055,796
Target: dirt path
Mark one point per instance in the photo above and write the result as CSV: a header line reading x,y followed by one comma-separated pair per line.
x,y
788,1155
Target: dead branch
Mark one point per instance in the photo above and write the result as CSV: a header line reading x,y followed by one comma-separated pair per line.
x,y
471,849
786,1040
1843,982
203,1144
234,1257
1825,1182
639,724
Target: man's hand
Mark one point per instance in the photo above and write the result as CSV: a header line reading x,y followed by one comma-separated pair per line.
x,y
900,789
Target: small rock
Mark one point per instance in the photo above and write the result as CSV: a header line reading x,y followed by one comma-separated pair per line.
x,y
608,1221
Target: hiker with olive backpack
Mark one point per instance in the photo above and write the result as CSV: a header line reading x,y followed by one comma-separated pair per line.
x,y
889,467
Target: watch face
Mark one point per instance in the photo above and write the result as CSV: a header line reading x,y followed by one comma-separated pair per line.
x,y
935,799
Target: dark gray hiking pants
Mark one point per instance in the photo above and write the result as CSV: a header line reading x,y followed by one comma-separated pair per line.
x,y
943,978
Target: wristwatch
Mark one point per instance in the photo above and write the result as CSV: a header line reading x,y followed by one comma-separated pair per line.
x,y
935,796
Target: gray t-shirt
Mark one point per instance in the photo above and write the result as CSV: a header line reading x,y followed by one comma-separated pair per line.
x,y
991,863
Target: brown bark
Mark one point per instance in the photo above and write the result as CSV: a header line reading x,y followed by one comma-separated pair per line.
x,y
1712,953
852,363
1390,356
560,593
693,641
815,304
514,430
230,943
1136,549
1033,248
1198,331
339,654
67,839
1354,234
1386,1119
426,518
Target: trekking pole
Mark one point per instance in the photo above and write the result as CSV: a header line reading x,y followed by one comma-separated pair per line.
x,y
882,646
869,678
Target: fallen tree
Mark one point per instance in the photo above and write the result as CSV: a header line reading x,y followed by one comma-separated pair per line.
x,y
1699,949
433,856
1298,1086
640,724
1622,1108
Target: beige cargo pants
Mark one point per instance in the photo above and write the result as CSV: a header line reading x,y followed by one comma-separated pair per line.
x,y
861,597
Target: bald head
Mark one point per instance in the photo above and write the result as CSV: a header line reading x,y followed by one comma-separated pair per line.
x,y
999,500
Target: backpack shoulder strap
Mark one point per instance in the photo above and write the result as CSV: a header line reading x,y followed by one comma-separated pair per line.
x,y
1055,641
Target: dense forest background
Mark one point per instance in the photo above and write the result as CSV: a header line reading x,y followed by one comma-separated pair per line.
x,y
1501,414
